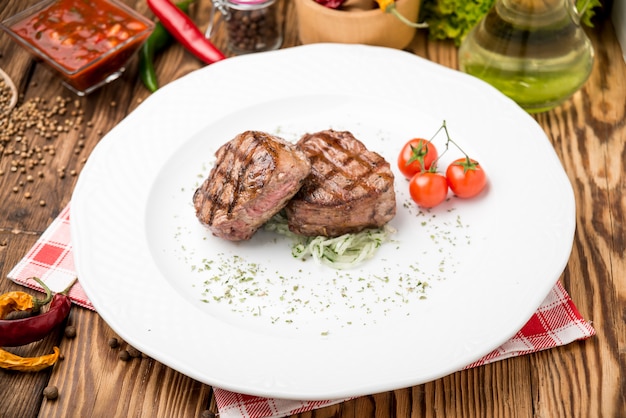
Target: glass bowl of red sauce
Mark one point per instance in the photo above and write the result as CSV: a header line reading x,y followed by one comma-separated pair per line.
x,y
87,42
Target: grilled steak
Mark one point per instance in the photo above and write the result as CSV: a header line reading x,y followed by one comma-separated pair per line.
x,y
349,188
254,176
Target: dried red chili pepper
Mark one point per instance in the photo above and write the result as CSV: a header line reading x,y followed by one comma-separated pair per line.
x,y
23,331
23,302
181,27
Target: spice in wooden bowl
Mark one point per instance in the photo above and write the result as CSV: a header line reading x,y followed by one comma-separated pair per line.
x,y
8,93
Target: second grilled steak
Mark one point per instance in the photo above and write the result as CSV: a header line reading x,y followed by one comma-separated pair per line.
x,y
254,176
349,188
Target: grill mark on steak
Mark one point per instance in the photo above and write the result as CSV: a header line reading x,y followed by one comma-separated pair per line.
x,y
243,158
254,176
349,189
336,171
235,158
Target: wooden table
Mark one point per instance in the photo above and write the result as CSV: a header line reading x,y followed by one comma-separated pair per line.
x,y
582,379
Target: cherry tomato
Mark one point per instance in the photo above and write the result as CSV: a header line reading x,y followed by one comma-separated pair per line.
x,y
414,153
466,177
428,189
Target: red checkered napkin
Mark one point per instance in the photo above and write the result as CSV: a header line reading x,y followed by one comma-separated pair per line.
x,y
51,259
556,322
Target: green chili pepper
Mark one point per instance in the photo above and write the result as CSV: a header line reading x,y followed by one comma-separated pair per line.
x,y
157,41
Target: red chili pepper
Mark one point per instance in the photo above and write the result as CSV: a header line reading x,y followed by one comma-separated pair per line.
x,y
181,27
15,332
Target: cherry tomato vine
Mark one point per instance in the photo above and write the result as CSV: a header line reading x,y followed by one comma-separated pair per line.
x,y
418,162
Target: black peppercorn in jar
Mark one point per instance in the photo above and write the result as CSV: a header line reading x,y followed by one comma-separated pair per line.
x,y
252,25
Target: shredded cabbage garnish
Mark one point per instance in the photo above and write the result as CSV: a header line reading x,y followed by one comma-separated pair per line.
x,y
341,252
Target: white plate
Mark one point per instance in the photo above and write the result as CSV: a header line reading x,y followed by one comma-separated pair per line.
x,y
248,317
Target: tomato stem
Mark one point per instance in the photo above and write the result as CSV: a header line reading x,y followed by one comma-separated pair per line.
x,y
444,126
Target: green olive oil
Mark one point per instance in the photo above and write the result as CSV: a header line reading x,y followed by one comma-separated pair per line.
x,y
537,55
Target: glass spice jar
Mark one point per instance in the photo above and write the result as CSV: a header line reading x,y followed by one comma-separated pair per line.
x,y
252,25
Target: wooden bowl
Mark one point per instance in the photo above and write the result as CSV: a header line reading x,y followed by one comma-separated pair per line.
x,y
12,101
317,24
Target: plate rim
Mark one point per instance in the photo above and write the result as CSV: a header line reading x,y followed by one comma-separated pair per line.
x,y
111,140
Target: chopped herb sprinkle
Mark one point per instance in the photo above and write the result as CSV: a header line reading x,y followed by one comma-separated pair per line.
x,y
324,292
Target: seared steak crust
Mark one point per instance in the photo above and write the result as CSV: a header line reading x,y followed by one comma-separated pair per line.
x,y
254,176
349,189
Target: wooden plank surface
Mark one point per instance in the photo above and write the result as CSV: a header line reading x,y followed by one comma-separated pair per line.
x,y
582,379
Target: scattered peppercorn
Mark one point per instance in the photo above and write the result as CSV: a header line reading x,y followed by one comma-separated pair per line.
x,y
51,393
207,414
113,342
70,331
133,352
124,355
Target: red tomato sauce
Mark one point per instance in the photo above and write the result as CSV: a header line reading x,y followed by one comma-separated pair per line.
x,y
74,33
